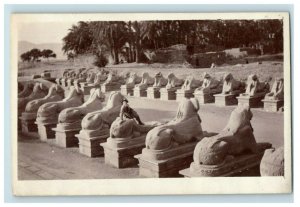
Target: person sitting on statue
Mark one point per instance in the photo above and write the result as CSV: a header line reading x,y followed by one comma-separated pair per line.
x,y
127,112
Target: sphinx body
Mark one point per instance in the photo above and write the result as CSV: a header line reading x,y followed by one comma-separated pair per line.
x,y
190,83
209,85
277,91
159,82
132,80
81,78
39,91
236,138
184,128
231,86
272,163
173,82
27,90
145,83
48,112
70,118
101,76
55,93
95,122
254,87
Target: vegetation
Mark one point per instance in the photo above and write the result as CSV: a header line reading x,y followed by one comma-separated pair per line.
x,y
131,39
34,55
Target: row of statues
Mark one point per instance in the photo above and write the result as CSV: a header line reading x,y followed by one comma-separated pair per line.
x,y
179,143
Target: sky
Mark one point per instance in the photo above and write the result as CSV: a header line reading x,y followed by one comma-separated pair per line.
x,y
46,32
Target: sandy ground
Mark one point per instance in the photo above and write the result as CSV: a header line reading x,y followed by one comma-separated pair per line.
x,y
37,160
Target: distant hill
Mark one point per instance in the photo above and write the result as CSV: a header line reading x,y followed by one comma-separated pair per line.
x,y
25,46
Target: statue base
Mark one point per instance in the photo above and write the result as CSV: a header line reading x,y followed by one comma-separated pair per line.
x,y
242,165
120,152
204,98
251,101
126,91
90,146
140,92
272,105
225,99
166,94
29,127
181,94
45,131
153,93
111,87
66,138
166,163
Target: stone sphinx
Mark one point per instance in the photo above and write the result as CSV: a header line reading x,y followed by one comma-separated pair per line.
x,y
47,115
168,93
274,100
65,75
230,90
127,88
28,118
39,91
255,92
27,90
188,88
140,90
159,82
234,147
210,86
73,75
127,139
112,83
82,76
69,119
272,163
172,143
86,86
95,126
100,78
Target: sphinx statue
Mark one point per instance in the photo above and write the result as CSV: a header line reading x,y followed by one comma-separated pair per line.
x,y
159,82
27,90
127,88
277,91
81,78
95,125
127,139
169,146
254,87
70,118
231,86
209,85
113,82
255,92
100,78
140,89
168,93
272,163
73,75
28,117
39,91
66,74
188,88
185,127
230,90
235,145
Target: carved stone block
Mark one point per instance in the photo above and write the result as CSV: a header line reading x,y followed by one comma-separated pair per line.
x,y
166,94
45,131
66,138
225,99
204,98
181,94
153,92
140,92
252,102
111,87
272,105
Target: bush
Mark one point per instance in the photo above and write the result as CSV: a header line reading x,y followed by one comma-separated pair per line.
x,y
101,61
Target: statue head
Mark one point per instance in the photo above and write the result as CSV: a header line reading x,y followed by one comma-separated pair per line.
x,y
115,99
187,108
227,77
206,75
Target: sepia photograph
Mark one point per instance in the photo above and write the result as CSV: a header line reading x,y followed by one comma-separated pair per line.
x,y
144,104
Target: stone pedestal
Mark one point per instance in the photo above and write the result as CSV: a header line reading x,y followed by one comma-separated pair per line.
x,y
225,99
140,92
272,105
45,131
153,92
166,163
120,152
242,165
29,127
167,94
180,94
204,98
126,91
90,146
252,102
111,87
66,138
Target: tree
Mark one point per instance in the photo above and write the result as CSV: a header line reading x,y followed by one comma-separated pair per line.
x,y
35,54
26,57
48,53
